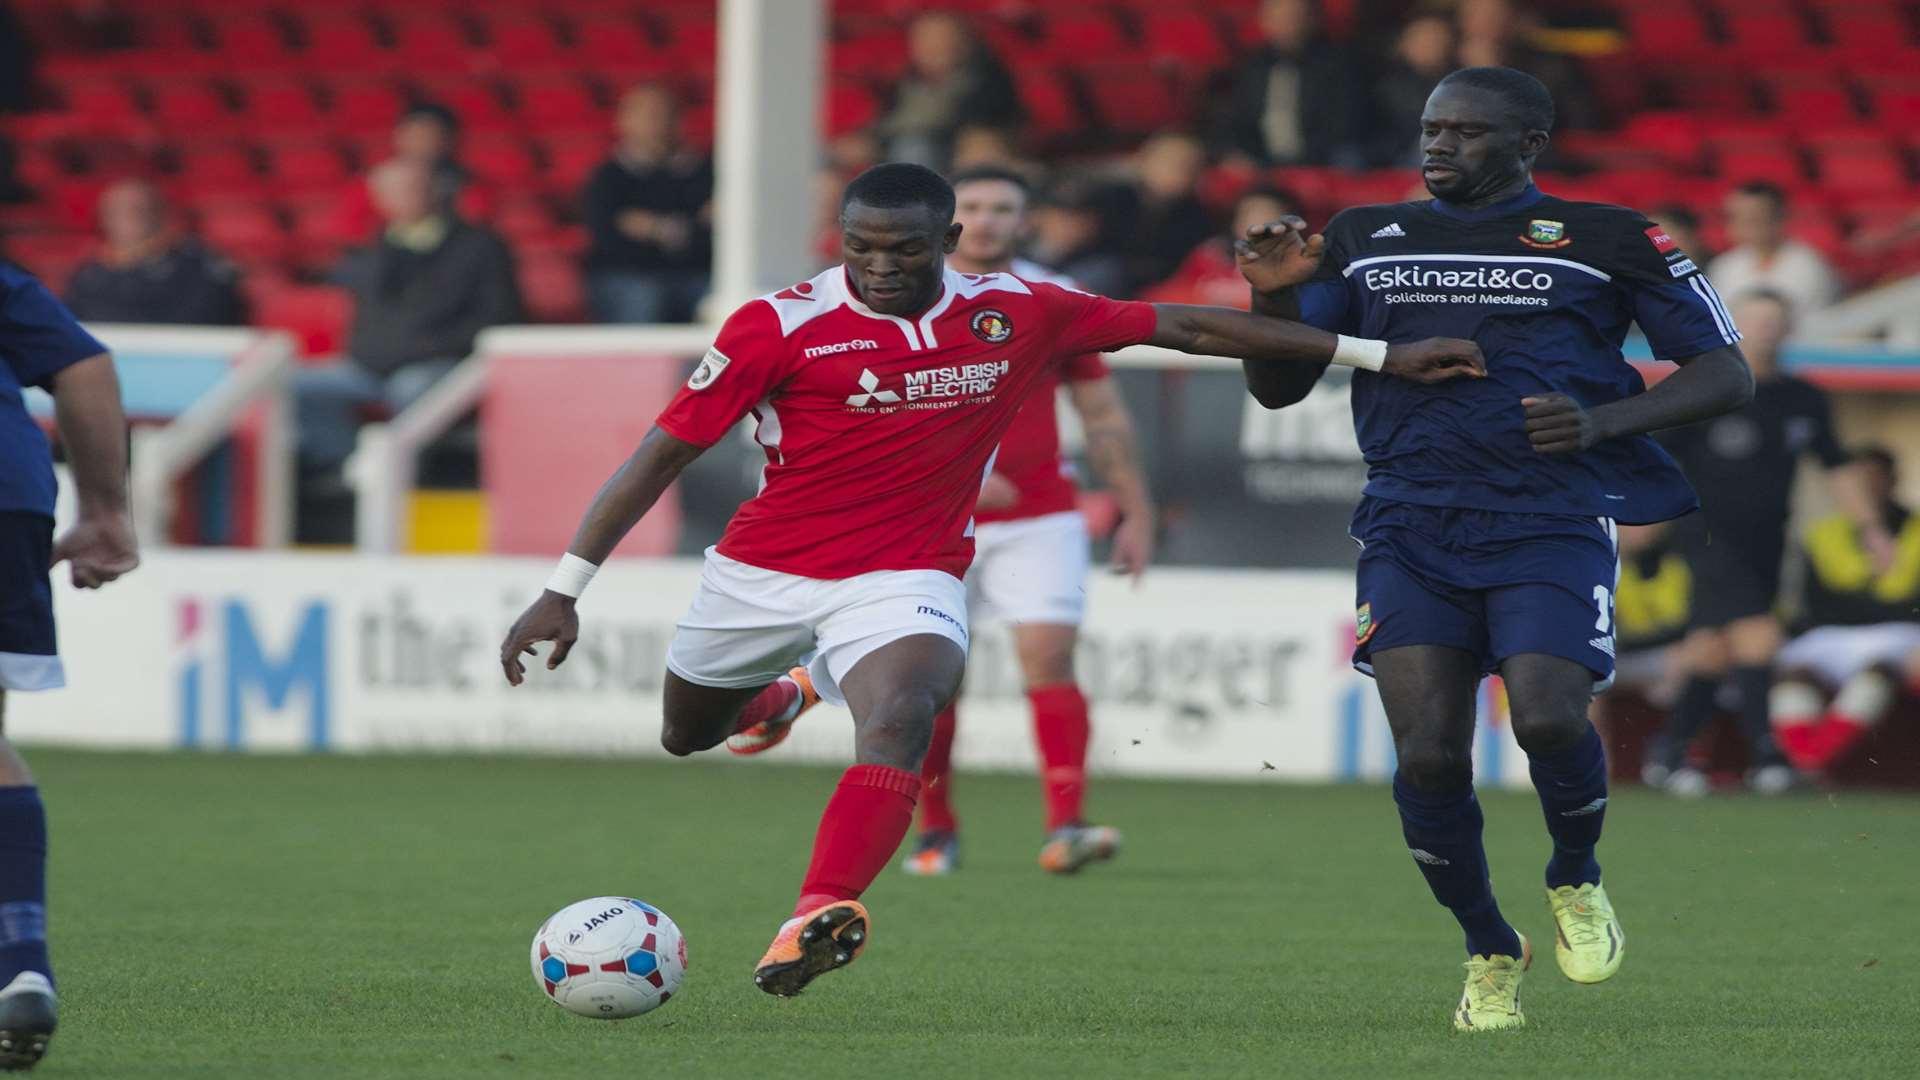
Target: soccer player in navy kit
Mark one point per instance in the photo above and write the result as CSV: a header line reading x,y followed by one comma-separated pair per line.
x,y
1488,524
41,345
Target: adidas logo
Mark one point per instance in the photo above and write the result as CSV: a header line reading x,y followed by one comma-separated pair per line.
x,y
1428,857
1593,807
1389,230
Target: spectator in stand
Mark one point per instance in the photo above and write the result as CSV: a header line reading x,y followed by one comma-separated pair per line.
x,y
1422,54
1495,33
1158,221
146,271
1211,274
978,145
1067,227
649,211
1295,101
1682,226
1744,464
953,80
1764,258
427,132
1840,678
421,295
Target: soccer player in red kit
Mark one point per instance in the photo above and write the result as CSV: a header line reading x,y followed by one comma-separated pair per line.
x,y
881,388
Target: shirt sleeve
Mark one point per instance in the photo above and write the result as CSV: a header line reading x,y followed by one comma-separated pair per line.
x,y
1090,323
39,337
1325,302
747,361
1825,443
1084,367
1674,303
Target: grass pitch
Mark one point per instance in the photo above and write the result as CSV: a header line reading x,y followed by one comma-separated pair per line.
x,y
333,917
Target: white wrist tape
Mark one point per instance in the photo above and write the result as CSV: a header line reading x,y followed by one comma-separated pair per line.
x,y
1364,353
571,576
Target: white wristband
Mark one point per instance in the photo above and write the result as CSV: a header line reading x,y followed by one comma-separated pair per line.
x,y
1366,354
571,576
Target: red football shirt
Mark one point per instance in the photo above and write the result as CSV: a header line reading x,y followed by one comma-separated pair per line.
x,y
1030,450
879,429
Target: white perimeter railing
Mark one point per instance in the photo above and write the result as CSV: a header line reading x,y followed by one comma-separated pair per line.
x,y
262,367
382,468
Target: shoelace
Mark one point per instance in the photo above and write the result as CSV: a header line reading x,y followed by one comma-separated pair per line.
x,y
1586,923
1490,985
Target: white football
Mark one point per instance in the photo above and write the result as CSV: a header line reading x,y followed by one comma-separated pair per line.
x,y
610,957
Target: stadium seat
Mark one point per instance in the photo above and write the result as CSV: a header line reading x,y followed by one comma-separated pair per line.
x,y
306,165
1189,39
1762,33
250,42
245,232
848,106
187,108
316,315
1777,165
522,41
1052,109
324,226
692,42
435,44
616,47
1869,171
880,54
501,159
363,106
1080,39
274,105
551,105
338,43
1133,101
1703,89
1668,30
1674,134
570,160
1814,102
475,101
551,288
106,105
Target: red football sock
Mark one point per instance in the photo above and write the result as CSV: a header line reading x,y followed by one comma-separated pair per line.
x,y
936,778
1799,743
1061,728
863,824
774,701
1836,735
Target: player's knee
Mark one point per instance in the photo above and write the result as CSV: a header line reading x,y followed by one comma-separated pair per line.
x,y
897,731
681,740
1544,729
1432,765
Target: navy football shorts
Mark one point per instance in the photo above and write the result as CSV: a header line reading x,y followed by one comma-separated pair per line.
x,y
28,658
1494,583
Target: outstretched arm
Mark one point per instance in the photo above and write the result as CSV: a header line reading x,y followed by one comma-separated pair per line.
x,y
622,501
1218,331
1715,382
1110,449
1276,386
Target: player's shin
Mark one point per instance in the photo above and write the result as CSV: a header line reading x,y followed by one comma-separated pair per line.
x,y
1572,784
936,777
1061,728
23,889
863,824
1443,830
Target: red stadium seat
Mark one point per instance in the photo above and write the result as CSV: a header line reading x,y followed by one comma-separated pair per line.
x,y
316,315
880,54
617,47
502,159
475,101
570,160
1184,39
1864,172
552,289
1814,102
1669,32
522,41
1673,134
361,106
848,106
191,108
1766,33
1134,101
323,227
693,43
1052,109
1081,39
274,105
551,105
1702,89
307,165
432,43
250,42
1858,29
105,105
340,43
1778,165
245,232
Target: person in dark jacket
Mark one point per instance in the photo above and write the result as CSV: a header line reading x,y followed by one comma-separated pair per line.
x,y
147,272
1422,56
1295,100
953,81
422,293
649,210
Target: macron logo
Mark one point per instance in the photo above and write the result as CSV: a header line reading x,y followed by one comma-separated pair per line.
x,y
1389,231
856,345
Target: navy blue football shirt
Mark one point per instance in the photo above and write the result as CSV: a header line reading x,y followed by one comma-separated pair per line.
x,y
1548,289
38,338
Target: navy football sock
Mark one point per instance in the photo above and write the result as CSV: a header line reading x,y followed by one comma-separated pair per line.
x,y
1572,783
1690,713
1755,684
1443,836
23,883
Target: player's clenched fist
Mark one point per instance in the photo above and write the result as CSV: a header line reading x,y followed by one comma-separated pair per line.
x,y
1556,424
1279,254
550,618
1435,360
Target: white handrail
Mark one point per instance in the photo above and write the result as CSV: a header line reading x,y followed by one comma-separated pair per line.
x,y
162,455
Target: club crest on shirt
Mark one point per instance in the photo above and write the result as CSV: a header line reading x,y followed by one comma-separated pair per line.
x,y
709,369
992,326
1363,624
1545,234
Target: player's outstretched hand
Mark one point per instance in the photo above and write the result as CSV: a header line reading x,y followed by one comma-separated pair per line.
x,y
1556,424
1435,360
1279,254
99,548
551,618
1133,547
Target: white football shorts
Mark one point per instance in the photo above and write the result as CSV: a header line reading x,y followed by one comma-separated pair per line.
x,y
1033,570
748,626
1837,653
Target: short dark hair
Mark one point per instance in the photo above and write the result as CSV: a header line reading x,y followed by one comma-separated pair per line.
x,y
1528,97
1877,454
893,185
434,111
1000,173
1766,189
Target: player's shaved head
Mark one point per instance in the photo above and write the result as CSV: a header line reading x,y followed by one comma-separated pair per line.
x,y
896,230
1480,133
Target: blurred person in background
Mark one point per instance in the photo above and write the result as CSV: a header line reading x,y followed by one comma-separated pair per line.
x,y
1763,257
1682,225
1157,221
1211,273
1422,55
421,295
953,80
1841,677
1068,227
1495,33
649,212
1295,100
1744,463
1649,618
147,271
978,146
429,133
